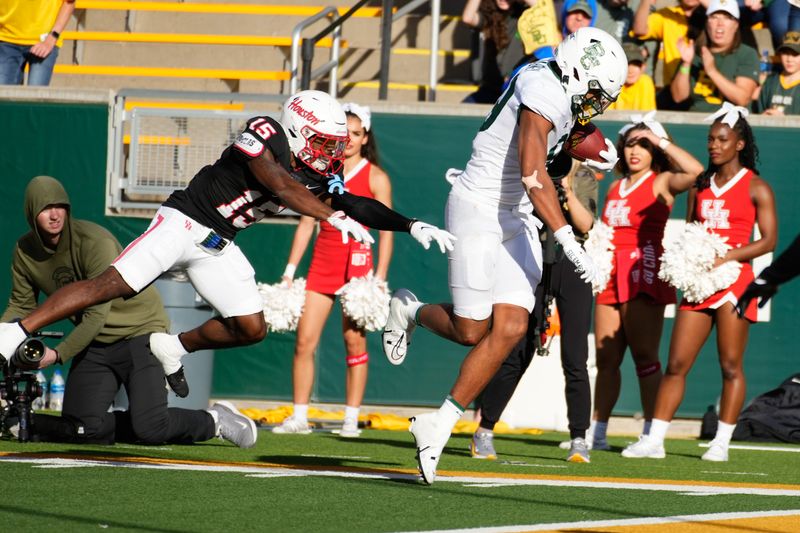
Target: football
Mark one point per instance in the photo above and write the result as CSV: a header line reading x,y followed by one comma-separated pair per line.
x,y
585,141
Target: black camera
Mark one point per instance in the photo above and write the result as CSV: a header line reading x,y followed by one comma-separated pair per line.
x,y
19,387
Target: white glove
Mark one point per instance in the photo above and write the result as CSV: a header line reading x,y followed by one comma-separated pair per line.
x,y
424,233
576,254
609,156
347,225
11,336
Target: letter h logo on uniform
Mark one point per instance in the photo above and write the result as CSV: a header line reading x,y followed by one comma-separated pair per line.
x,y
715,216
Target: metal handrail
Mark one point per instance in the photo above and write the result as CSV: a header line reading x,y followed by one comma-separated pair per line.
x,y
332,65
386,43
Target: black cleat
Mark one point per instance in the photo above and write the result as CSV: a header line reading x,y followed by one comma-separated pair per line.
x,y
177,382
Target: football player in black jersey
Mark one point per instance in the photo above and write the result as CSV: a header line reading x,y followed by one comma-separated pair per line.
x,y
272,164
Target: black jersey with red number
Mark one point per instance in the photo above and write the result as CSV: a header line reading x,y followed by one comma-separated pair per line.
x,y
227,197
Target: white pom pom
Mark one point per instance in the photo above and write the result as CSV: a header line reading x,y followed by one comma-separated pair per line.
x,y
366,301
600,248
283,305
688,262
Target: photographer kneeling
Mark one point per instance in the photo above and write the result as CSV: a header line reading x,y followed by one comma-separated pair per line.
x,y
110,341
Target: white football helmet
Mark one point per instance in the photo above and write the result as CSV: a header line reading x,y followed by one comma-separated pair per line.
x,y
593,70
316,126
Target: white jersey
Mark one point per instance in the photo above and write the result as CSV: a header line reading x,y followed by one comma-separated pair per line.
x,y
492,173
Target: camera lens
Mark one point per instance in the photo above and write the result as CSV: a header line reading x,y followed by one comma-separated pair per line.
x,y
29,353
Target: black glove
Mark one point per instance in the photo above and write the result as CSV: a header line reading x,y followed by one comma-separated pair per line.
x,y
758,288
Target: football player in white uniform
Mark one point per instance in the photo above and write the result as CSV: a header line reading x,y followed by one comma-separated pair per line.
x,y
497,264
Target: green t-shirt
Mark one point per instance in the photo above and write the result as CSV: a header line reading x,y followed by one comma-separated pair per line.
x,y
704,95
776,95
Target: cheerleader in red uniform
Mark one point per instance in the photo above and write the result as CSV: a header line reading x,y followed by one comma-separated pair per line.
x,y
629,312
729,198
332,265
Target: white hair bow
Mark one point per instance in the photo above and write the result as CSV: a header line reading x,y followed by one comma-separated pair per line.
x,y
362,112
649,120
730,114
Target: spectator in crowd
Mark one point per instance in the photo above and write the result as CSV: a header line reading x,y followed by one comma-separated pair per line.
x,y
334,264
668,26
109,345
30,35
718,66
616,17
764,287
780,94
629,310
794,15
539,31
639,92
729,198
577,14
503,50
271,164
573,297
495,271
774,14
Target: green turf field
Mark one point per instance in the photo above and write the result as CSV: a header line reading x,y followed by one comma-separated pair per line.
x,y
321,482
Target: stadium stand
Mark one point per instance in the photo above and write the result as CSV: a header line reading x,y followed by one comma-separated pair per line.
x,y
244,47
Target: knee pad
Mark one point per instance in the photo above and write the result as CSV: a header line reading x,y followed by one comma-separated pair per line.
x,y
648,370
355,360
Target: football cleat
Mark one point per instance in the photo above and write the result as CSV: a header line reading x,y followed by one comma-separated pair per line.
x,y
399,326
430,439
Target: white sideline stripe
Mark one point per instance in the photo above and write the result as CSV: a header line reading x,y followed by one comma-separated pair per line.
x,y
488,482
622,522
758,448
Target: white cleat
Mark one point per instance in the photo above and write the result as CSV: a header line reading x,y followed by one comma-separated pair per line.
x,y
291,425
430,439
350,429
169,350
716,452
399,326
645,447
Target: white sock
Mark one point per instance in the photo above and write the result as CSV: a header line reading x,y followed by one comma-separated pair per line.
x,y
658,430
450,412
351,413
600,429
646,428
413,309
481,431
724,433
301,413
215,416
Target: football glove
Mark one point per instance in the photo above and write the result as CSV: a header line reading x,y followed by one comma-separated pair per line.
x,y
424,233
11,336
575,253
609,156
348,227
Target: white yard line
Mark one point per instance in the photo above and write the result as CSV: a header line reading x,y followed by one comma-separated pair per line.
x,y
795,449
